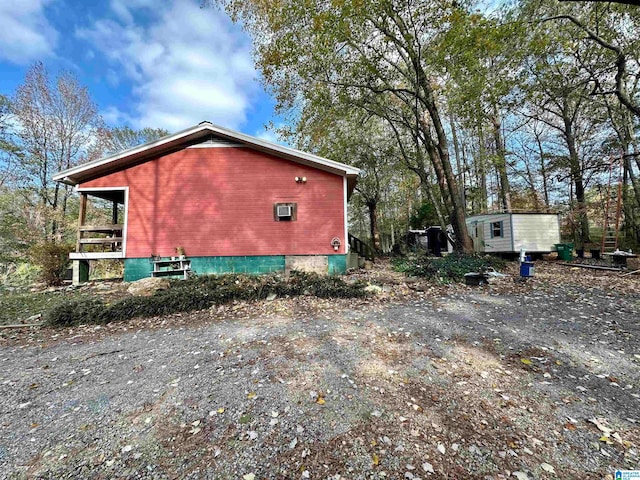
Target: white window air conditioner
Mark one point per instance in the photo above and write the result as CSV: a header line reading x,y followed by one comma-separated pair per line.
x,y
284,211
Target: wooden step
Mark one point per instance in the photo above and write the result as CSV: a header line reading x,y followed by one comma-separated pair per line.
x,y
100,241
116,227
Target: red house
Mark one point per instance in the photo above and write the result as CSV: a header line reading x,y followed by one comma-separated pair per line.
x,y
227,201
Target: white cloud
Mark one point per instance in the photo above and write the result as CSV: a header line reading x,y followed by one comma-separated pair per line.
x,y
25,33
186,64
114,116
270,135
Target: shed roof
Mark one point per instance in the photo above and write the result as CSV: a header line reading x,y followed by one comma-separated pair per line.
x,y
192,136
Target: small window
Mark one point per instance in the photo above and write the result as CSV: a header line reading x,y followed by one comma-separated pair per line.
x,y
497,229
285,212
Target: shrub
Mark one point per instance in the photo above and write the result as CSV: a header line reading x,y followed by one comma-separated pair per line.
x,y
450,268
52,258
77,312
198,293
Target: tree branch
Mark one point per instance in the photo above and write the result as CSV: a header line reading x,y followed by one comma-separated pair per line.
x,y
621,60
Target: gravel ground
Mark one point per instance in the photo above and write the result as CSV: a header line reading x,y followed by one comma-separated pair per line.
x,y
524,380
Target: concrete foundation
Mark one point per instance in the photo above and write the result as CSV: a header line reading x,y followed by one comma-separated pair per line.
x,y
352,261
306,263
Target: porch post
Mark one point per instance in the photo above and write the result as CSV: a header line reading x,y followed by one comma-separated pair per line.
x,y
82,215
80,272
114,213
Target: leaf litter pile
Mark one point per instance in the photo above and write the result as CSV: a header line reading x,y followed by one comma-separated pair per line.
x,y
530,380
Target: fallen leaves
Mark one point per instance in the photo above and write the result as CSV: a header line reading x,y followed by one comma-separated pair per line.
x,y
548,468
601,424
606,439
196,427
609,436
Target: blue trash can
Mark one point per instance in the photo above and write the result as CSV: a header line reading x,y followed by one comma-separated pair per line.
x,y
526,269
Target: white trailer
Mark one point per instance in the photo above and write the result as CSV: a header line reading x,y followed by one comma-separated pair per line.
x,y
511,232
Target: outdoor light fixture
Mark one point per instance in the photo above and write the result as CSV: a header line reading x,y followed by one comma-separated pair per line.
x,y
301,179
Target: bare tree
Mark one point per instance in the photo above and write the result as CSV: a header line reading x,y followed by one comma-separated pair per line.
x,y
57,125
123,138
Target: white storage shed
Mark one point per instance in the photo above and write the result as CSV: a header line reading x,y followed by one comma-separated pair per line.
x,y
511,232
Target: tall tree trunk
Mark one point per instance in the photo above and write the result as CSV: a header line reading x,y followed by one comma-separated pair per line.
x,y
425,95
458,214
630,222
635,183
438,168
54,211
465,163
543,173
576,176
501,160
532,184
482,172
427,190
372,208
456,151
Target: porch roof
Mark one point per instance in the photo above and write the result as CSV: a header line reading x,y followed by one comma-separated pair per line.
x,y
111,195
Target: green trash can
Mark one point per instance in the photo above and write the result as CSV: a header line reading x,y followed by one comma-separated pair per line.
x,y
565,251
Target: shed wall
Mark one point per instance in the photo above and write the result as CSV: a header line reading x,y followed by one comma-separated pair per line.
x,y
536,233
219,202
496,244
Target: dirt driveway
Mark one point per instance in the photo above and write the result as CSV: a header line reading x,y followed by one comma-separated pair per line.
x,y
524,381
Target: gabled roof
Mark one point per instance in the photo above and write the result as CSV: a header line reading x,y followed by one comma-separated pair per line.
x,y
192,136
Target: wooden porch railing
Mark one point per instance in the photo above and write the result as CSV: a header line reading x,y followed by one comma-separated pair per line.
x,y
107,236
360,247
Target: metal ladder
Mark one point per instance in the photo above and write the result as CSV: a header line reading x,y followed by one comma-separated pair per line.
x,y
612,213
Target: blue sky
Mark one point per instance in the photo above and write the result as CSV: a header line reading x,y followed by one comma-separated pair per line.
x,y
146,63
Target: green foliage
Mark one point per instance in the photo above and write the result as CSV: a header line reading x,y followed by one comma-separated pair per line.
x,y
447,269
52,258
424,216
77,312
199,293
18,274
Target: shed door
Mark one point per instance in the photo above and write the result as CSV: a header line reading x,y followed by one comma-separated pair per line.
x,y
478,237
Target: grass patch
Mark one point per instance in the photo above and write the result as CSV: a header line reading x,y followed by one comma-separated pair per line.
x,y
18,306
199,293
447,269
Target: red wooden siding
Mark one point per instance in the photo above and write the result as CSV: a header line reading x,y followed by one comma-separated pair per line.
x,y
219,202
